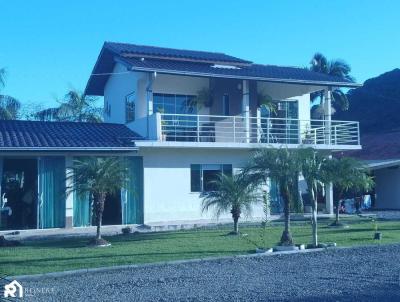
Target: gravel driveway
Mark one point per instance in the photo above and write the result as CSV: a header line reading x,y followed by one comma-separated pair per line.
x,y
356,274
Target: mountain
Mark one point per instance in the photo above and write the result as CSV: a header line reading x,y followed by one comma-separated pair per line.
x,y
376,105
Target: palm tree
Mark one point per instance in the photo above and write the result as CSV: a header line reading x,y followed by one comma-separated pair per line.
x,y
9,106
233,194
281,166
98,176
75,107
313,165
338,68
347,175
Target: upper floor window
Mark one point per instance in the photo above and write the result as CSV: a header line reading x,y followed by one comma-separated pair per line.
x,y
225,104
130,108
287,109
174,103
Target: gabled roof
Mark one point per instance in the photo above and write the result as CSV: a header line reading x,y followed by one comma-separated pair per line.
x,y
58,136
197,63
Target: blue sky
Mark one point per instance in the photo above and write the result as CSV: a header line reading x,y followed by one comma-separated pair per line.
x,y
50,46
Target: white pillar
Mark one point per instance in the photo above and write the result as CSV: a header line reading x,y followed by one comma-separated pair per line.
x,y
328,115
329,196
69,201
149,92
246,108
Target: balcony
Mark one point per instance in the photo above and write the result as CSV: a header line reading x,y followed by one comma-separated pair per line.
x,y
265,131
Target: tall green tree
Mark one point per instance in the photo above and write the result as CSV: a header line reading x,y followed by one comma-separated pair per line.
x,y
75,107
313,169
347,175
9,106
234,194
281,166
98,177
338,68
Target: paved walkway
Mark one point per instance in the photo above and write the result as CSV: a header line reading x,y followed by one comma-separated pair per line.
x,y
356,274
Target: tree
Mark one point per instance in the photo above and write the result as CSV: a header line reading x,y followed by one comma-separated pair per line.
x,y
347,175
75,107
283,167
338,68
9,106
98,177
233,193
313,164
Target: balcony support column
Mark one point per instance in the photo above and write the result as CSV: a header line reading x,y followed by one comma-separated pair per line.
x,y
329,196
246,109
328,115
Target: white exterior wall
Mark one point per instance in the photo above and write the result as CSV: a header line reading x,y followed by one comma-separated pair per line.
x,y
387,187
167,196
120,85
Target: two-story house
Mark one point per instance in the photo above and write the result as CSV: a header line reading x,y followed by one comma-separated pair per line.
x,y
182,117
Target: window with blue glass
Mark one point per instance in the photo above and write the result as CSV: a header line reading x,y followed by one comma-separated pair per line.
x,y
174,103
203,177
179,122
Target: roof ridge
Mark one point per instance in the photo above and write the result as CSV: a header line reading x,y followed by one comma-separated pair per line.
x,y
171,48
62,122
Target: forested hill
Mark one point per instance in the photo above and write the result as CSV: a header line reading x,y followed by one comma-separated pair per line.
x,y
376,105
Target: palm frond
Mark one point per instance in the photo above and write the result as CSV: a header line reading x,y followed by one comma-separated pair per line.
x,y
9,107
340,100
232,194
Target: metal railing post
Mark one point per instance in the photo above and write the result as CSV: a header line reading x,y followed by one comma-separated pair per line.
x,y
234,129
335,135
198,128
268,123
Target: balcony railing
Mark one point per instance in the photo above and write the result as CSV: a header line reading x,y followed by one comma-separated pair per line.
x,y
235,129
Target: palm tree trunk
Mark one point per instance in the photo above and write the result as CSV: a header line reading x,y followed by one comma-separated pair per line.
x,y
99,213
338,208
286,238
236,225
314,216
337,211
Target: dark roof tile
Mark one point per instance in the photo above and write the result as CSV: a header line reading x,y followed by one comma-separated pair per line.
x,y
152,51
65,135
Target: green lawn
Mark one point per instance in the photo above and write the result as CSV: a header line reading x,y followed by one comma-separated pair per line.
x,y
69,254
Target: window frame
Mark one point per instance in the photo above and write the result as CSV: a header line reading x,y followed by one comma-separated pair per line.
x,y
130,108
226,106
197,185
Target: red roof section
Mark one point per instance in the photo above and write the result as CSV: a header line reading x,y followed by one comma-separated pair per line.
x,y
378,146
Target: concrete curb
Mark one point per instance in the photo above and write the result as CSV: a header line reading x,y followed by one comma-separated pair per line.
x,y
156,264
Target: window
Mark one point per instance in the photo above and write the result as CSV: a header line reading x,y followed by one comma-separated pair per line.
x,y
202,177
174,103
225,104
130,110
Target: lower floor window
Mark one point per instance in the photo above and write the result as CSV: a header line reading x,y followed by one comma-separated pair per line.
x,y
203,177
